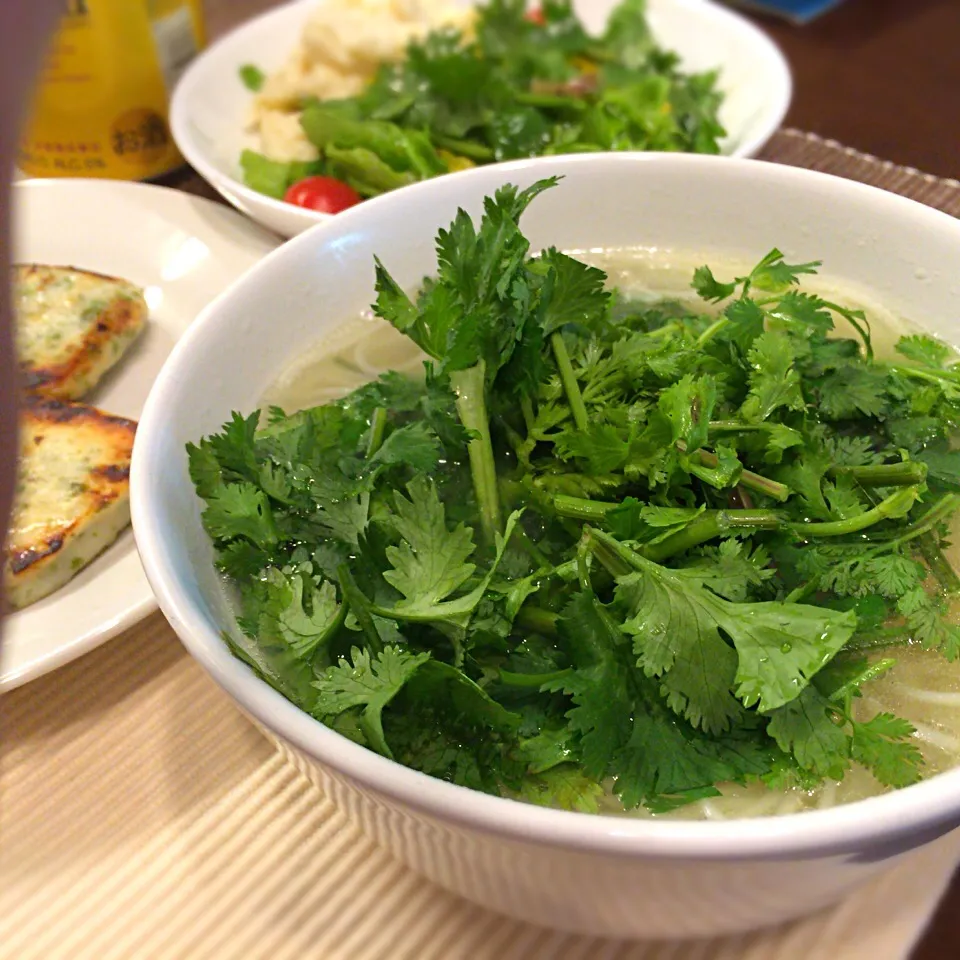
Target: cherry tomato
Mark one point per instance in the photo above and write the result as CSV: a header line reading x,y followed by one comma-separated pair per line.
x,y
535,15
324,194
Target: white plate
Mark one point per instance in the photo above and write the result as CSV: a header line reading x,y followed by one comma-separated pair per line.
x,y
183,251
210,103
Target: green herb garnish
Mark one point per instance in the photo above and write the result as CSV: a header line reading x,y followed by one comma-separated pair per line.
x,y
252,77
601,544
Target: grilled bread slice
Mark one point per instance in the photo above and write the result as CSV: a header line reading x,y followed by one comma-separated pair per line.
x,y
72,326
72,496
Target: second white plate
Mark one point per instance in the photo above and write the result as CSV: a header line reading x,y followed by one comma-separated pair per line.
x,y
210,103
183,251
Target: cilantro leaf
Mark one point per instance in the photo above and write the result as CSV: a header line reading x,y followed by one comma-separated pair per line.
x,y
431,561
599,687
709,288
780,438
925,350
415,445
449,690
342,517
369,684
773,275
605,447
843,497
853,390
572,293
394,306
851,451
677,643
233,447
879,744
666,766
746,320
774,383
806,728
805,636
303,614
627,732
732,569
925,622
688,406
804,310
240,510
563,786
779,646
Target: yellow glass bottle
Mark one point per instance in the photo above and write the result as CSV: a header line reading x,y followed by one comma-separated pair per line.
x,y
100,105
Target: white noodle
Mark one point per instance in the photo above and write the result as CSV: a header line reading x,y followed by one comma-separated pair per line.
x,y
941,697
937,738
710,812
789,804
828,796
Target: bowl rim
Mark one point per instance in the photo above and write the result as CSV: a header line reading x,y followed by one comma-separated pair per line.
x,y
928,808
230,186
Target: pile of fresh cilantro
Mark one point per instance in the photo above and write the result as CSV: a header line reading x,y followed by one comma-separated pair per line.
x,y
600,544
519,88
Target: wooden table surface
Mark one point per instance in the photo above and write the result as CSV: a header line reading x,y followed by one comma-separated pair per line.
x,y
882,76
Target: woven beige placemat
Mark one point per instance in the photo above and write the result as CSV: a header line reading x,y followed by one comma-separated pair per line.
x,y
141,816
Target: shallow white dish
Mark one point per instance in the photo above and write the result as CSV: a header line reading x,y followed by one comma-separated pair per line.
x,y
210,103
183,250
603,875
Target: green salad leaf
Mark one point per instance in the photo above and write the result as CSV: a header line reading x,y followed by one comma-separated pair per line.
x,y
513,88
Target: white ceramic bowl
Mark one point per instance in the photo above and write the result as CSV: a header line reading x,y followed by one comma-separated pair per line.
x,y
210,103
603,875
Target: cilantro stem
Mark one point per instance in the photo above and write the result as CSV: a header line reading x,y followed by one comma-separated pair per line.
x,y
569,380
667,330
512,492
583,567
534,552
708,526
357,604
378,426
849,689
938,563
735,426
931,376
465,148
802,592
749,479
877,639
712,330
537,620
550,101
906,474
469,387
851,317
896,505
531,681
579,508
610,553
946,505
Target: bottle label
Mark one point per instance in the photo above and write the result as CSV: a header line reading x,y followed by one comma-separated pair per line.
x,y
100,106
